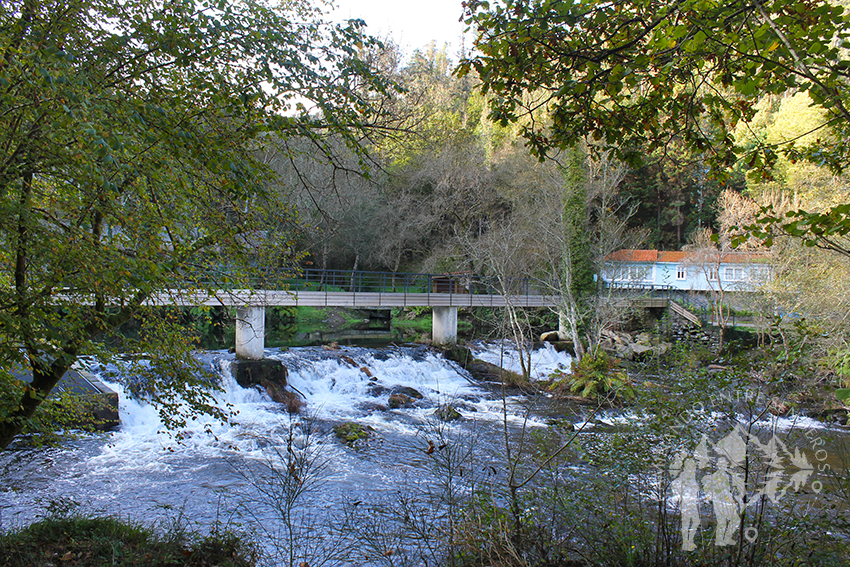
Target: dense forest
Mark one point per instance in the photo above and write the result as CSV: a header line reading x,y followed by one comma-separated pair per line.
x,y
447,189
446,174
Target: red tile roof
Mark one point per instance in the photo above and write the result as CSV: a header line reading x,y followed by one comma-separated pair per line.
x,y
629,255
672,256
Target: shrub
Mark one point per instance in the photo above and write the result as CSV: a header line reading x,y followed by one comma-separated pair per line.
x,y
80,540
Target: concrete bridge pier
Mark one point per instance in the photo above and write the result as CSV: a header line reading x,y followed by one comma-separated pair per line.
x,y
444,325
250,332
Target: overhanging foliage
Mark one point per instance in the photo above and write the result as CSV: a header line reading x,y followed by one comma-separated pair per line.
x,y
126,164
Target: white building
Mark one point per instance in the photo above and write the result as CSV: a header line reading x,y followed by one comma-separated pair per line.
x,y
687,271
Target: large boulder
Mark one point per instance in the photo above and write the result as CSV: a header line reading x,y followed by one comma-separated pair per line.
x,y
270,375
447,412
639,349
278,393
399,401
254,372
488,372
460,354
661,349
91,403
482,370
412,393
624,351
643,338
550,337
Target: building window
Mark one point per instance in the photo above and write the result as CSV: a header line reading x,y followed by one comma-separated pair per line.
x,y
712,274
681,273
734,274
639,273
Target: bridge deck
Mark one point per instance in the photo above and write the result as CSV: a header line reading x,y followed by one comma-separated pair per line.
x,y
247,298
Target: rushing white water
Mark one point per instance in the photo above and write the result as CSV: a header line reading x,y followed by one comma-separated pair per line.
x,y
544,361
142,469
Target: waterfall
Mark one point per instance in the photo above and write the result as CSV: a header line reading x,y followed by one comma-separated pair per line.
x,y
141,469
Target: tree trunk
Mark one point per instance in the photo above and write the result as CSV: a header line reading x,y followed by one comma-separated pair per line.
x,y
43,381
323,281
354,270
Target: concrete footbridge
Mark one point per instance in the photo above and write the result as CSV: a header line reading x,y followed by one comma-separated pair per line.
x,y
444,293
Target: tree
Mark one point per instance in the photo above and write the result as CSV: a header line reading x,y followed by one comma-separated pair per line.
x,y
557,236
675,196
705,257
439,185
735,211
638,75
128,133
559,240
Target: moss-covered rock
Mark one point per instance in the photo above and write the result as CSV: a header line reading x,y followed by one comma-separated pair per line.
x,y
460,354
399,401
561,423
447,412
351,433
487,372
482,370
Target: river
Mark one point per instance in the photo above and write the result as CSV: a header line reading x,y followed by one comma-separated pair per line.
x,y
215,474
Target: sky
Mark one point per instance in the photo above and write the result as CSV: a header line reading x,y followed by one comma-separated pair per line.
x,y
412,24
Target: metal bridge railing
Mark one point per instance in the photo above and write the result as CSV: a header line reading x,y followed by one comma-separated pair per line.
x,y
387,282
649,290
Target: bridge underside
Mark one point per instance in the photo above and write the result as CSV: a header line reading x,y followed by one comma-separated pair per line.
x,y
250,308
251,331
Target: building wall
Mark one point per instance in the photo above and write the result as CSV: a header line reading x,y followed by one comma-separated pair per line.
x,y
688,277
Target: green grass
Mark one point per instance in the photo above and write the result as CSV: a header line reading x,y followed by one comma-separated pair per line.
x,y
420,325
310,319
420,321
87,541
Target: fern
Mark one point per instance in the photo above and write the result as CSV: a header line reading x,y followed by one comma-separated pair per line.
x,y
595,377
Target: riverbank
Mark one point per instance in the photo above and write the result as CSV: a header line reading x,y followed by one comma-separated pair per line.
x,y
70,539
